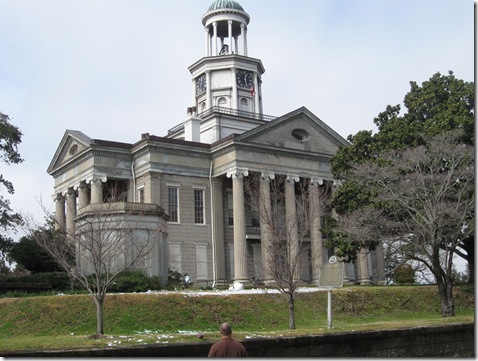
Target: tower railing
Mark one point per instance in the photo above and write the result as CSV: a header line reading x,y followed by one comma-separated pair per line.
x,y
236,112
228,111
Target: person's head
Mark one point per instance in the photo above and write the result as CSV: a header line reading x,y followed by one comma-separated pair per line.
x,y
225,329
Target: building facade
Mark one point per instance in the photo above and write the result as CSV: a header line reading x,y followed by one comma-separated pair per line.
x,y
194,177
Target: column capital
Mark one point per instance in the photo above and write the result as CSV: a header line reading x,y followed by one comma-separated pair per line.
x,y
237,172
292,178
316,181
94,178
267,175
80,185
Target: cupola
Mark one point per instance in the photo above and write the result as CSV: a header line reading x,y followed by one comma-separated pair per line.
x,y
225,24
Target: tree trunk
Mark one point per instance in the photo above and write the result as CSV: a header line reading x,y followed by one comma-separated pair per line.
x,y
99,315
291,311
445,289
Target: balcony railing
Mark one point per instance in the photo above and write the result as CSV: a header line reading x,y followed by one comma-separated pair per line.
x,y
236,112
228,111
121,208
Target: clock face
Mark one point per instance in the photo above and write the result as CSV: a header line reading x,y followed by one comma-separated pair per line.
x,y
201,84
244,79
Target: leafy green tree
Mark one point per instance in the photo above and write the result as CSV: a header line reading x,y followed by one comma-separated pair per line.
x,y
440,104
32,257
10,138
421,202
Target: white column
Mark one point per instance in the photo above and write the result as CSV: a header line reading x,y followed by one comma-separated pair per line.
x,y
229,32
380,255
208,41
208,90
291,223
218,230
59,212
265,219
97,190
240,244
70,211
256,94
236,45
363,267
214,38
316,248
243,38
245,41
234,100
82,195
194,100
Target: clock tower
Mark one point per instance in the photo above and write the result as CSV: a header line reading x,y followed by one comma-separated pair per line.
x,y
226,82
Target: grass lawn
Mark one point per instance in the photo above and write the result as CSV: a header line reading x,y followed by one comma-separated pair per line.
x,y
132,319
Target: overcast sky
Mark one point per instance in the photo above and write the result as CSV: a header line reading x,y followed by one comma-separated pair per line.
x,y
114,69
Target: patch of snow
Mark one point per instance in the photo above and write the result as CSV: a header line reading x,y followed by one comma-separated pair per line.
x,y
238,291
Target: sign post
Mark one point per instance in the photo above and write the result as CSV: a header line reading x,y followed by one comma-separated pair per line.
x,y
329,307
331,276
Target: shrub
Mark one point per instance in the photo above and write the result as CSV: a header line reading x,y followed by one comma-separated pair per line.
x,y
404,274
130,281
58,280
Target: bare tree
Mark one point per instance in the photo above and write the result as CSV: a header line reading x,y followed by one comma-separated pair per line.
x,y
422,204
287,215
109,238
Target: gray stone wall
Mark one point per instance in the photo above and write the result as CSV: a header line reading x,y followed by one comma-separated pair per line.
x,y
455,340
188,234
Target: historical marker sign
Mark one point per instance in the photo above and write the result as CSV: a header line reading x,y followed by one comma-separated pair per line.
x,y
332,273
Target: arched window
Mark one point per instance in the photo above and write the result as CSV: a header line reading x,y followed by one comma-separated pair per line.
x,y
301,135
245,105
222,102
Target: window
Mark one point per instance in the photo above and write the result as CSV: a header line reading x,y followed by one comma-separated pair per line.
x,y
230,210
173,204
199,206
301,135
255,219
201,262
175,257
141,195
73,149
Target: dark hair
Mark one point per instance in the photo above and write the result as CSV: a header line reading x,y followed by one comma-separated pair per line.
x,y
225,329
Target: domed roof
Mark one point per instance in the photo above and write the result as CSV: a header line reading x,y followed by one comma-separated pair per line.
x,y
225,4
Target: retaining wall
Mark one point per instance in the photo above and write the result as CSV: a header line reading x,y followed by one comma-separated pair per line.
x,y
456,340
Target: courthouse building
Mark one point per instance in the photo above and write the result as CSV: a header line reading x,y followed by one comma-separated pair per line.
x,y
191,181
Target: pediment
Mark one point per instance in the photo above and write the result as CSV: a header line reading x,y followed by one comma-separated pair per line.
x,y
299,130
72,145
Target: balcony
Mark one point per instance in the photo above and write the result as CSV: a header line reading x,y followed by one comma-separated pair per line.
x,y
226,111
121,208
237,113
